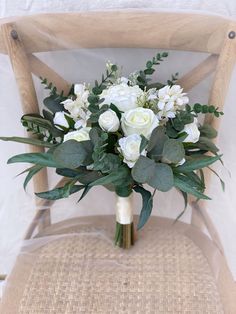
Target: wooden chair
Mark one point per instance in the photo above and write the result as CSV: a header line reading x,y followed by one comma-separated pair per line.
x,y
72,267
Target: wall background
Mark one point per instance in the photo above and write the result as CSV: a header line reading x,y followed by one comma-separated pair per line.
x,y
17,206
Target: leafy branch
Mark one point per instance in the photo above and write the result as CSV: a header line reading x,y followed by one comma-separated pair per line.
x,y
149,70
198,108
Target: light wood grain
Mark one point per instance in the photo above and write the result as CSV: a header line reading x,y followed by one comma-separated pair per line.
x,y
19,61
41,69
199,73
129,29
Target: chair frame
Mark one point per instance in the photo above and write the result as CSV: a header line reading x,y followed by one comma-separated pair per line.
x,y
21,37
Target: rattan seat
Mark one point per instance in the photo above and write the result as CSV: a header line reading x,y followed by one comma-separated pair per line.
x,y
73,267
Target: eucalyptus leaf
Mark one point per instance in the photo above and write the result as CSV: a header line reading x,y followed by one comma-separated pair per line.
x,y
206,144
72,154
143,144
197,163
162,178
53,103
32,171
85,192
62,192
182,184
27,140
43,159
146,207
173,151
120,175
207,130
157,141
143,169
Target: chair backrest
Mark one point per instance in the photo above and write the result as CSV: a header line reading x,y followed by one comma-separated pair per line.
x,y
23,36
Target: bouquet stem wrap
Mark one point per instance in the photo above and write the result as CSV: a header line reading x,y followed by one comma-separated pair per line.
x,y
124,236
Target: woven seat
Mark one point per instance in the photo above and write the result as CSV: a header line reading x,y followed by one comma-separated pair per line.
x,y
75,268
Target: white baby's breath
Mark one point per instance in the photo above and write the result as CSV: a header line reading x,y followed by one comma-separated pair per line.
x,y
170,99
78,108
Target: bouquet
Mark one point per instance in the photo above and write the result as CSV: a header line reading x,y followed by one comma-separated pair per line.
x,y
122,133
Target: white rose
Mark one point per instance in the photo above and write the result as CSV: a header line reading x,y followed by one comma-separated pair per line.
x,y
124,97
109,121
60,120
79,135
192,130
129,148
139,121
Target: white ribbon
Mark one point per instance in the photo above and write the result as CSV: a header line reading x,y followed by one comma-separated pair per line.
x,y
124,210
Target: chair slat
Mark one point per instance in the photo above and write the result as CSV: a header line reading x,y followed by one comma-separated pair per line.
x,y
199,73
18,57
40,69
128,29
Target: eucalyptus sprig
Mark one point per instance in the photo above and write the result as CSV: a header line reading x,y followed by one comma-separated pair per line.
x,y
142,78
199,108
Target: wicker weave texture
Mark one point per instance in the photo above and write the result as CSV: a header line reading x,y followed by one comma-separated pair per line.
x,y
165,272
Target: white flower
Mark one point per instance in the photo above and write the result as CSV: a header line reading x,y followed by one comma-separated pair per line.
x,y
139,121
192,130
78,135
181,162
78,108
170,99
60,120
123,80
109,121
124,97
129,148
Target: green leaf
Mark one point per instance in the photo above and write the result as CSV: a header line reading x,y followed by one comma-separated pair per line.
x,y
123,190
116,110
42,159
206,144
143,169
53,103
69,173
27,140
173,151
221,181
185,197
157,141
115,177
146,207
182,184
35,123
162,177
32,171
143,144
207,130
85,192
72,154
198,163
62,192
